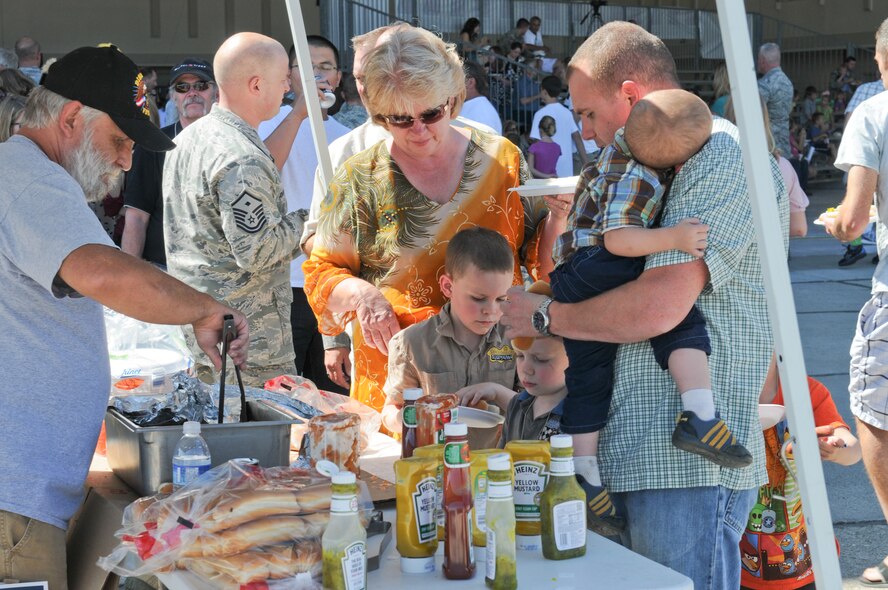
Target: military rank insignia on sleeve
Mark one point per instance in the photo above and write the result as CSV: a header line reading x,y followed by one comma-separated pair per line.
x,y
249,214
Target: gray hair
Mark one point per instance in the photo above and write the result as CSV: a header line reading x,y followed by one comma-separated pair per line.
x,y
771,53
882,38
45,106
8,59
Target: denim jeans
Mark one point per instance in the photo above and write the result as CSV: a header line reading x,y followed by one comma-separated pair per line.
x,y
589,377
695,531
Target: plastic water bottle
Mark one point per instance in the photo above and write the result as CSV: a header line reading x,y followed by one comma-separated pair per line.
x,y
192,456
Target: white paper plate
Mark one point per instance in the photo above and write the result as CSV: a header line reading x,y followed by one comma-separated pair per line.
x,y
873,216
539,187
770,414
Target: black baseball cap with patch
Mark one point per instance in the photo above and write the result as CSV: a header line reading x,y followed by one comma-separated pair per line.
x,y
105,79
196,67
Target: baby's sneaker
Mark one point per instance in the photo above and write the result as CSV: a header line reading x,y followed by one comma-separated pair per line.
x,y
710,439
601,515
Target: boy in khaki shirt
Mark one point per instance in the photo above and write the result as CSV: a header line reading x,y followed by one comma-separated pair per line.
x,y
461,350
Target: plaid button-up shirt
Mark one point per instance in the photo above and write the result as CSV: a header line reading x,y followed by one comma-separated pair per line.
x,y
616,191
636,452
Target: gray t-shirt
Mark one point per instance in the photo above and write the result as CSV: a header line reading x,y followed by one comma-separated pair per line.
x,y
865,143
56,378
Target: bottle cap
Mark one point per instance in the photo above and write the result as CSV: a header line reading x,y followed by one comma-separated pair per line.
x,y
411,394
499,462
561,441
191,427
418,565
344,478
456,429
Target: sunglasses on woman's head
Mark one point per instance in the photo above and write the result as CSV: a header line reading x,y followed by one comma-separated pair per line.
x,y
183,87
428,117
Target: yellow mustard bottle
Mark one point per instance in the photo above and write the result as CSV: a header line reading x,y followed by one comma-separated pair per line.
x,y
436,452
416,496
530,466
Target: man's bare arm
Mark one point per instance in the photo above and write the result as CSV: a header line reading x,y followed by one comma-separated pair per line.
x,y
134,231
649,306
138,289
853,216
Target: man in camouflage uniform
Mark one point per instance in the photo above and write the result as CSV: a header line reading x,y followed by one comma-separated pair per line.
x,y
227,229
775,89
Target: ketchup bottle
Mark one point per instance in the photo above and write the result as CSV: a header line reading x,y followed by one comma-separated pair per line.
x,y
408,421
459,558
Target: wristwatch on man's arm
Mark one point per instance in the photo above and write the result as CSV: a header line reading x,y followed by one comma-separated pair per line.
x,y
540,318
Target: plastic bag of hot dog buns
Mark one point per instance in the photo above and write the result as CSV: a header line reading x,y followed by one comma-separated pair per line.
x,y
301,389
237,526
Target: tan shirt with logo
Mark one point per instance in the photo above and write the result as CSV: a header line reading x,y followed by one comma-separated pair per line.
x,y
427,355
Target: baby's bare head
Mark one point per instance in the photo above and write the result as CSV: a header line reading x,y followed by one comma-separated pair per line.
x,y
667,127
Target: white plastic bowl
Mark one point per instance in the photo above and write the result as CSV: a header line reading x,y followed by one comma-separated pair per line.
x,y
770,414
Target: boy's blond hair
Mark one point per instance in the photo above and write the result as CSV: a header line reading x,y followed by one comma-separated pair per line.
x,y
667,127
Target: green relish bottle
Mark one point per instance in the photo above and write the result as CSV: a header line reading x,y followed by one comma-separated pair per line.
x,y
563,505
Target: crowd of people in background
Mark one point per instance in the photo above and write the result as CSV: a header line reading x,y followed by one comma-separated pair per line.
x,y
420,120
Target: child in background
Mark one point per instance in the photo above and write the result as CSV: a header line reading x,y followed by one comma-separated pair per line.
x,y
774,550
543,154
610,229
535,413
461,350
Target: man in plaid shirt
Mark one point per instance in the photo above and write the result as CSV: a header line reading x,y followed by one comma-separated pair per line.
x,y
681,510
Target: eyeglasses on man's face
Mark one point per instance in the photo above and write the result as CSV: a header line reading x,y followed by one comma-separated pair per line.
x,y
184,87
324,66
428,117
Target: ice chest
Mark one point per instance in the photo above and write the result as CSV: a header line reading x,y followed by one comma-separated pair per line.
x,y
142,456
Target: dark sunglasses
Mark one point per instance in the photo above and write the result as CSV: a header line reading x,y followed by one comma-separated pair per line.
x,y
183,87
428,117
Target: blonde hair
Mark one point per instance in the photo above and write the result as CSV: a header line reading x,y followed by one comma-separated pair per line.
x,y
769,137
413,67
667,127
621,51
721,83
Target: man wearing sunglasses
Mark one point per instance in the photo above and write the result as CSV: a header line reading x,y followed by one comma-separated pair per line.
x,y
193,89
289,139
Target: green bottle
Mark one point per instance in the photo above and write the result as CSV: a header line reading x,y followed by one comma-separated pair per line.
x,y
563,505
502,569
344,542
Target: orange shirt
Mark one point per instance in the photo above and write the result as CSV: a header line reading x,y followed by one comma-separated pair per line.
x,y
376,226
774,548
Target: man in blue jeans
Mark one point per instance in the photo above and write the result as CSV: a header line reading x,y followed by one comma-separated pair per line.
x,y
681,510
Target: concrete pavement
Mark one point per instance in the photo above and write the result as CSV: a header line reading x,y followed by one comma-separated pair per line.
x,y
827,299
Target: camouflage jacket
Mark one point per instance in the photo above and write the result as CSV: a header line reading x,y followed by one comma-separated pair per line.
x,y
776,90
227,229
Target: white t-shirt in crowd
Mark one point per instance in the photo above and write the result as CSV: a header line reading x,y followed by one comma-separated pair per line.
x,y
531,38
298,172
564,129
865,143
480,110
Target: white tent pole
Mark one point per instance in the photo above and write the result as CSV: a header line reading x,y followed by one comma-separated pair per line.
x,y
309,88
744,94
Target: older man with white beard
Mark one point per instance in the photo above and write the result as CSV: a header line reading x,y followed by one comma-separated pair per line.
x,y
58,267
193,89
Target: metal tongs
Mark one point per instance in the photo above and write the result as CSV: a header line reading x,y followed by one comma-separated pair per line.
x,y
229,332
